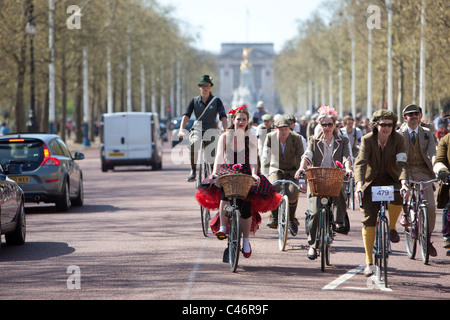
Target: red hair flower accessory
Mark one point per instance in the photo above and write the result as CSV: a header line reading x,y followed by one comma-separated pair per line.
x,y
237,167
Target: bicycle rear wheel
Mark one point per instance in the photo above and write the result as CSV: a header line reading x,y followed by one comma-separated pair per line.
x,y
234,239
205,214
411,231
283,222
424,235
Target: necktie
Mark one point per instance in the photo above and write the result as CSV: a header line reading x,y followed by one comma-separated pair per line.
x,y
413,137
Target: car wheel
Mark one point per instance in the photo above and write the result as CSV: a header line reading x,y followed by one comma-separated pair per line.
x,y
17,237
78,201
63,204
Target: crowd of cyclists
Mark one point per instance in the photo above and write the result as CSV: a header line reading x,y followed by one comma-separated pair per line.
x,y
383,150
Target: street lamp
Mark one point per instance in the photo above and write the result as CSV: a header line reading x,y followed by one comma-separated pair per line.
x,y
30,28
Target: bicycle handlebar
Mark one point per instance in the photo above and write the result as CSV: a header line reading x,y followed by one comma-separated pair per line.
x,y
287,181
360,196
423,182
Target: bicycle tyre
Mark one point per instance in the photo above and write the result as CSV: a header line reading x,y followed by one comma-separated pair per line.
x,y
234,239
323,244
383,252
424,235
352,194
411,231
329,238
283,222
205,216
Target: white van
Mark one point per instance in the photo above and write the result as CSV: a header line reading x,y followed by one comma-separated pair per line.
x,y
130,138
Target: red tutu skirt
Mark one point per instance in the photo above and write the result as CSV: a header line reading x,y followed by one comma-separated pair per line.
x,y
263,198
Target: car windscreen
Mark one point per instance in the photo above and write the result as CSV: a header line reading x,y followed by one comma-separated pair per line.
x,y
29,153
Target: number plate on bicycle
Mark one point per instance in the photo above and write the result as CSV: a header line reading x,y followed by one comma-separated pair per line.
x,y
383,193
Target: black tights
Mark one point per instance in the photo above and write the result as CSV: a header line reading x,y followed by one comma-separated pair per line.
x,y
244,206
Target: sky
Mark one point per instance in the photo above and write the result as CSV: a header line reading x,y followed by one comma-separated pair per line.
x,y
222,21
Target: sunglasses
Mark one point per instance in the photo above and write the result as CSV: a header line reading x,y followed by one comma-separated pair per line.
x,y
412,114
384,125
329,125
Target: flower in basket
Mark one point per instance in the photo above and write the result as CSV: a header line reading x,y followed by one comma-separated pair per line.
x,y
338,165
237,167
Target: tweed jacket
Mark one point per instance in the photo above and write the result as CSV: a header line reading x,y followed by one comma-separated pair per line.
x,y
315,150
426,144
442,163
289,161
370,160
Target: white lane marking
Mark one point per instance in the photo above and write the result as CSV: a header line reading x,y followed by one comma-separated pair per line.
x,y
336,283
193,273
371,284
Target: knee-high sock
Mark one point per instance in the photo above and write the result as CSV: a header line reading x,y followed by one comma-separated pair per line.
x,y
394,213
368,234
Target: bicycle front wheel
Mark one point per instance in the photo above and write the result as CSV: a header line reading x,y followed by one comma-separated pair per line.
x,y
234,239
411,233
381,260
323,240
283,222
424,235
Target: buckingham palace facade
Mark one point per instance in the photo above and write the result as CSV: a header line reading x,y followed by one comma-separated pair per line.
x,y
262,61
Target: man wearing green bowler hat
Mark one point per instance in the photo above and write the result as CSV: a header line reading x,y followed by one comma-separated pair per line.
x,y
206,107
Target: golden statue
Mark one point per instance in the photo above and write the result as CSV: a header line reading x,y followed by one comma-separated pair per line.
x,y
245,64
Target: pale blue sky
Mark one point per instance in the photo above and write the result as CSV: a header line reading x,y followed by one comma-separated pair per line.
x,y
217,21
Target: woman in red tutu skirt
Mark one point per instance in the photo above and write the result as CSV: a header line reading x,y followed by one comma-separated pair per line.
x,y
237,153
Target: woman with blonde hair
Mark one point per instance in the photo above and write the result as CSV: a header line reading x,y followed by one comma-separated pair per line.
x,y
325,150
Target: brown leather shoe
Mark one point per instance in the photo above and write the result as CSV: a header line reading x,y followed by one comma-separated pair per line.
x,y
432,250
394,236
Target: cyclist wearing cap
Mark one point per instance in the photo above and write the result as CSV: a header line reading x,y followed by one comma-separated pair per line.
x,y
206,120
421,152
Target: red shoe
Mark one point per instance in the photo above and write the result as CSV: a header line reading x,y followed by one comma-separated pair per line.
x,y
404,221
247,254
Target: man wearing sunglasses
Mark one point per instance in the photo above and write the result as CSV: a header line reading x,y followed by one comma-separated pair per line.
x,y
421,153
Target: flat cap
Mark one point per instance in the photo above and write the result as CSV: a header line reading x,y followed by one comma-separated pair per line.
x,y
384,114
282,122
412,108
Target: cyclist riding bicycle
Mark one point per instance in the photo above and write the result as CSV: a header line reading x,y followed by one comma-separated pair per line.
x,y
442,169
237,153
381,162
282,153
323,151
206,107
421,152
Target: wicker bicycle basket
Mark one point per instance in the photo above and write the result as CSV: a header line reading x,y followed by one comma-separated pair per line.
x,y
236,185
325,182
